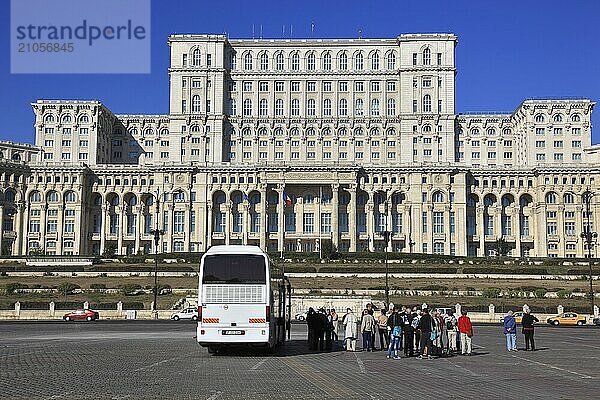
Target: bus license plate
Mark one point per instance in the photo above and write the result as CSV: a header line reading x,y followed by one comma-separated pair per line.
x,y
235,332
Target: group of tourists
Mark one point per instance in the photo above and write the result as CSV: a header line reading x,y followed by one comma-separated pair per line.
x,y
408,332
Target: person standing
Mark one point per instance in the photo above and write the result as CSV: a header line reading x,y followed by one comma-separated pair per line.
x,y
395,323
320,329
466,333
527,323
425,328
510,331
415,325
311,323
349,321
367,328
371,312
450,322
408,331
382,327
334,321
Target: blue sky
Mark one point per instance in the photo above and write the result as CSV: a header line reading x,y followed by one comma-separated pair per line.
x,y
508,50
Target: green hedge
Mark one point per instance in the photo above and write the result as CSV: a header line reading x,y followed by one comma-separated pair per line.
x,y
507,270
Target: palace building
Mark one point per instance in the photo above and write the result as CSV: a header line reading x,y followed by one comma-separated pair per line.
x,y
287,143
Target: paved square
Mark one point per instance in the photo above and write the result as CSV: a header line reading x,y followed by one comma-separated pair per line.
x,y
131,360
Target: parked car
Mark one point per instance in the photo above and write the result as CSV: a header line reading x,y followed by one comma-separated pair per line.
x,y
300,316
186,313
81,315
518,317
567,318
597,321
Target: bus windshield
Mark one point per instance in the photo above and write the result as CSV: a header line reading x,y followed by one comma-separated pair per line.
x,y
234,269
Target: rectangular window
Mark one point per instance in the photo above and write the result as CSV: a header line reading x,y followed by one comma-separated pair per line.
x,y
343,222
290,222
438,222
308,225
326,223
552,228
361,222
488,225
570,228
424,221
452,222
506,225
273,222
524,225
396,223
438,248
178,223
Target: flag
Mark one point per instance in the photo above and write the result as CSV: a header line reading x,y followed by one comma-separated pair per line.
x,y
287,199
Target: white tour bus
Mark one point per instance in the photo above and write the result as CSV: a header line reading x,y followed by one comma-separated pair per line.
x,y
239,302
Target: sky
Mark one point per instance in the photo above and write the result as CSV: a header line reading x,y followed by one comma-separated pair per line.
x,y
507,50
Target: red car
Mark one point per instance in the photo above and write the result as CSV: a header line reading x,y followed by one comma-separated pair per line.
x,y
81,315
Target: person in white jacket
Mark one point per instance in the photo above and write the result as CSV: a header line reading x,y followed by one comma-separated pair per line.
x,y
350,333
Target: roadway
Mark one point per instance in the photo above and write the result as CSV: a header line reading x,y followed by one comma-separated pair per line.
x,y
160,359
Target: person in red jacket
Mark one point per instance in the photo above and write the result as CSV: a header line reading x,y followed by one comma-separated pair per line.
x,y
466,333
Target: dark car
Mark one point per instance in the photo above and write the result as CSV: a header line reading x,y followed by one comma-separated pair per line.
x,y
597,321
81,315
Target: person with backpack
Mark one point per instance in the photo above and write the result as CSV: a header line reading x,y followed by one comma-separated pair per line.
x,y
450,321
408,331
466,333
528,329
415,324
395,323
510,331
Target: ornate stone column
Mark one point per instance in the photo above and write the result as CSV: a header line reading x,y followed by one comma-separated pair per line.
x,y
209,230
245,222
121,214
60,226
516,217
263,220
352,217
22,233
280,217
138,227
19,233
228,217
103,219
370,224
335,189
1,227
481,229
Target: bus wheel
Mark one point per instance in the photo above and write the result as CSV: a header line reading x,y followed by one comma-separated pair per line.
x,y
212,350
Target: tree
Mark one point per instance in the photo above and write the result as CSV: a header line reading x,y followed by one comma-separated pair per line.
x,y
110,249
328,250
502,247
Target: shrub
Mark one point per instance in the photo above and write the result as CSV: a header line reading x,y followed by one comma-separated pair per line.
x,y
133,305
97,286
492,292
68,305
66,288
130,289
563,294
540,293
15,287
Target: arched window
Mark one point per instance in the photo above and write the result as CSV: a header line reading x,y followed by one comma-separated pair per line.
x,y
551,198
308,199
264,61
569,198
362,199
236,198
327,61
438,197
248,61
539,118
343,62
232,107
343,108
326,132
164,132
557,118
427,103
310,132
149,132
375,61
391,132
358,131
489,200
84,119
279,63
279,107
427,56
327,107
391,60
70,197
196,104
427,129
295,61
195,128
391,107
358,61
52,197
49,118
491,131
246,132
278,132
475,131
310,62
575,118
358,107
472,201
310,107
220,199
255,198
375,132
295,107
35,197
178,197
66,119
263,108
247,108
196,58
342,132
374,107
507,200
294,132
9,196
506,131
397,198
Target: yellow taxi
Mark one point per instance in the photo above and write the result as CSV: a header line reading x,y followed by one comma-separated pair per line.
x,y
567,318
518,317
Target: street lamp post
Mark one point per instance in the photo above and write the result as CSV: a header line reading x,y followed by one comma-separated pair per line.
x,y
589,237
386,233
157,234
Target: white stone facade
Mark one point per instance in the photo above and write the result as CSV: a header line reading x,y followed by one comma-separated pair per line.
x,y
285,143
